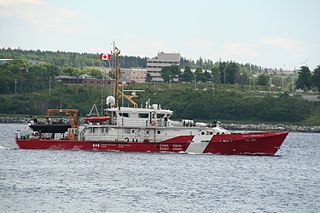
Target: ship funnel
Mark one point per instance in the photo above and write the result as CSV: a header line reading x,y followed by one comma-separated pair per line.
x,y
110,101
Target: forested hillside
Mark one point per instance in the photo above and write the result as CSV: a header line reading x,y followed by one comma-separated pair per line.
x,y
22,77
71,59
183,99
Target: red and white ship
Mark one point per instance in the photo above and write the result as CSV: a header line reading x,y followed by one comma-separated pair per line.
x,y
144,129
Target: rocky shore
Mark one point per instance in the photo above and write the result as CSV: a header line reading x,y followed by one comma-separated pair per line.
x,y
13,120
268,127
229,126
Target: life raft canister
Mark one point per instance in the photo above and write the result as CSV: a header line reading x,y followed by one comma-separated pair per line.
x,y
153,123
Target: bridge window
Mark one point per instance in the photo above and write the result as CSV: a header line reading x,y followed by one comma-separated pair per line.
x,y
124,114
143,115
160,115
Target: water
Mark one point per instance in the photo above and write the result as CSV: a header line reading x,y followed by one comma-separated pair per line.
x,y
81,181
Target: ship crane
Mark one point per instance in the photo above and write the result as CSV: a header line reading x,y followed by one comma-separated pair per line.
x,y
68,112
118,93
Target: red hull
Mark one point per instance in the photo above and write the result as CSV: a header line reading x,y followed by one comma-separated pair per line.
x,y
252,143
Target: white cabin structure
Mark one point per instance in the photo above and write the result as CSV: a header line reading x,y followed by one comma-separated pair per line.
x,y
150,124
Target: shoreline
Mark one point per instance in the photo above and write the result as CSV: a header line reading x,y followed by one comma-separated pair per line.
x,y
271,127
228,126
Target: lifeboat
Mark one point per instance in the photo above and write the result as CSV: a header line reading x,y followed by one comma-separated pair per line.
x,y
97,119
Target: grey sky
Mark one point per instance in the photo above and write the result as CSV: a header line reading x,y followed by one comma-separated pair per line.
x,y
270,33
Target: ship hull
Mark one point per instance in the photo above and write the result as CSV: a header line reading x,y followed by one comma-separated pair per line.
x,y
251,143
246,144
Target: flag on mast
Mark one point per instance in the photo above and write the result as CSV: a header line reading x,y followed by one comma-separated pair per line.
x,y
106,57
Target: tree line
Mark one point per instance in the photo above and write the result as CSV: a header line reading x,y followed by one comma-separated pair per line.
x,y
81,60
69,59
233,73
188,103
306,80
224,73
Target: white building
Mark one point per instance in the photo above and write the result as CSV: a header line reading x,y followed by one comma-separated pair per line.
x,y
154,65
133,75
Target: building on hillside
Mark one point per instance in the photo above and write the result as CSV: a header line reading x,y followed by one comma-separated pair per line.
x,y
97,82
128,75
133,75
68,79
154,65
5,60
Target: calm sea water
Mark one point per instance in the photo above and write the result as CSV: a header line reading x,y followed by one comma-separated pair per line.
x,y
81,181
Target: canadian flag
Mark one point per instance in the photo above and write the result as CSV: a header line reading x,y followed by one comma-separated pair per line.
x,y
106,57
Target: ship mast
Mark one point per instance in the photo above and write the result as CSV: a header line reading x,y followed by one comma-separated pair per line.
x,y
117,92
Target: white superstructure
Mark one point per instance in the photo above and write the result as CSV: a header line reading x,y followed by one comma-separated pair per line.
x,y
150,124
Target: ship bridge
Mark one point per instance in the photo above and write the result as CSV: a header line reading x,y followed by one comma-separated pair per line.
x,y
139,117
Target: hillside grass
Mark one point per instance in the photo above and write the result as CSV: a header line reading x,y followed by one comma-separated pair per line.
x,y
314,118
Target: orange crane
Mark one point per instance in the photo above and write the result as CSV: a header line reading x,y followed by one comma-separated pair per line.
x,y
68,112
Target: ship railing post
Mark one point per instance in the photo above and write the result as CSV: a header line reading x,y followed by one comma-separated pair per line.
x,y
18,134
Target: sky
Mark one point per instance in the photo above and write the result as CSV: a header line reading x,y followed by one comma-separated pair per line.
x,y
269,33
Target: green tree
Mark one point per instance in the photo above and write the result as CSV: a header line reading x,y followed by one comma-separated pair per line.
x,y
222,70
215,75
19,76
95,73
199,62
228,72
231,72
200,75
262,80
304,78
187,75
316,78
168,73
148,77
277,81
242,79
70,71
207,75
